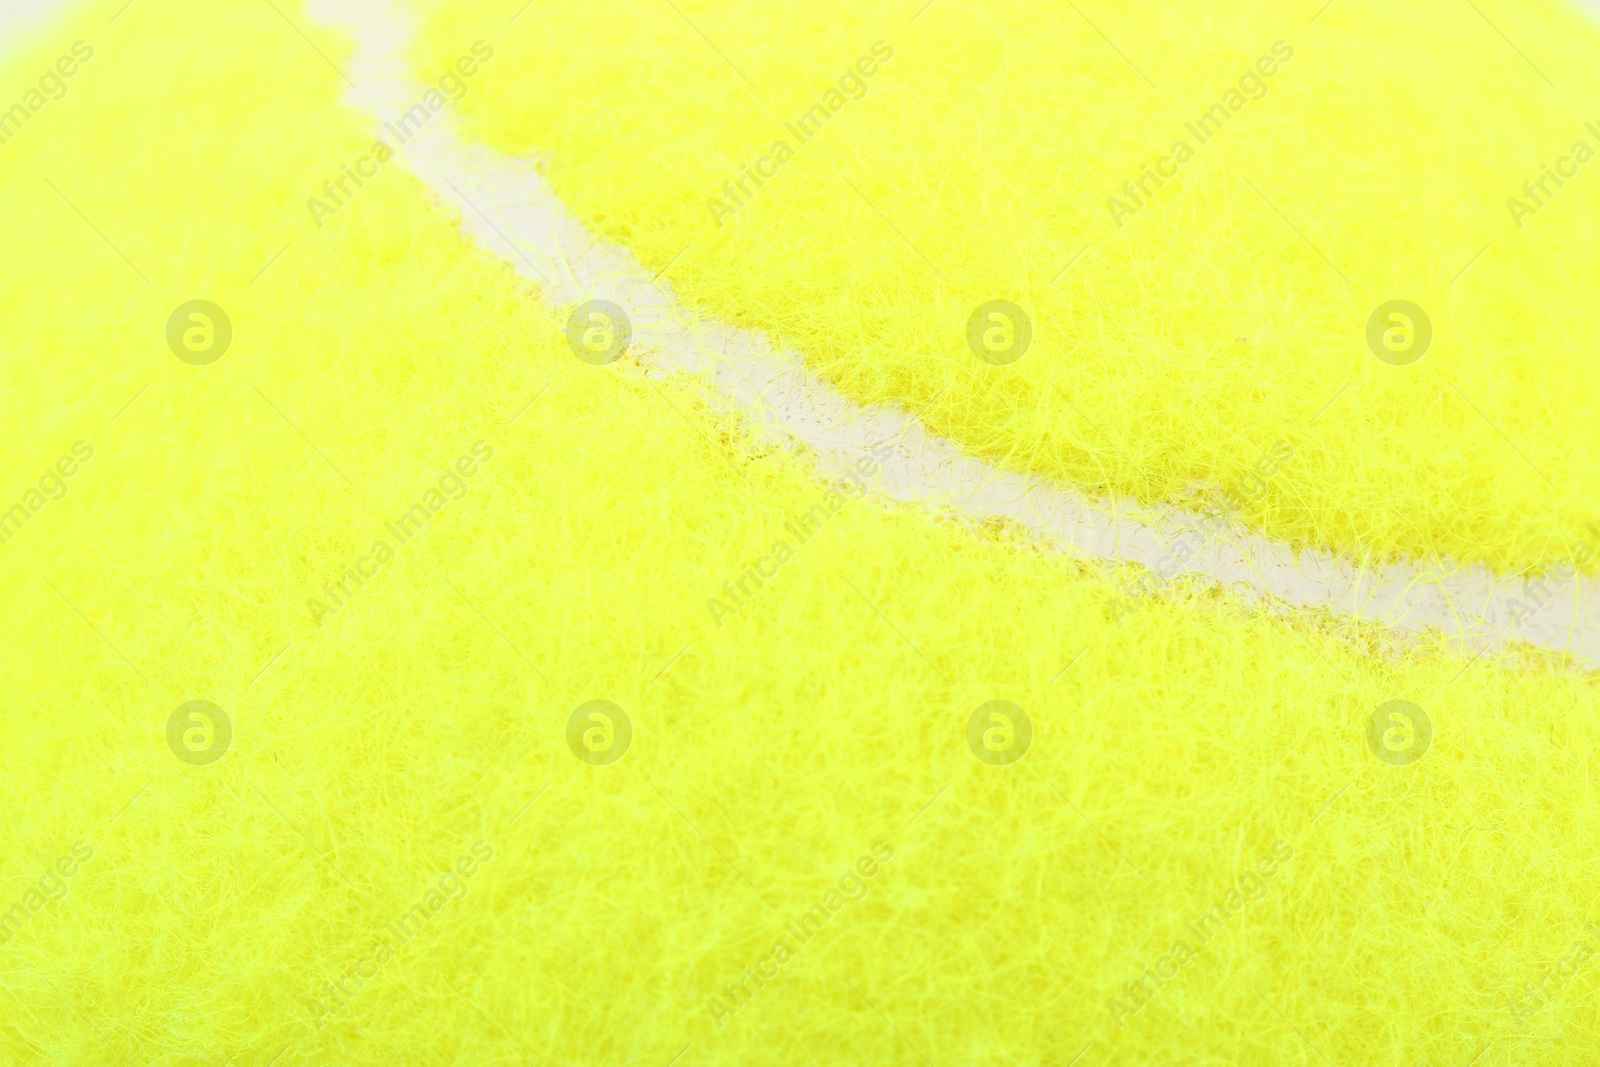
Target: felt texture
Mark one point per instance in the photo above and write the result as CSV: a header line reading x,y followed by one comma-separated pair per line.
x,y
1175,338
402,763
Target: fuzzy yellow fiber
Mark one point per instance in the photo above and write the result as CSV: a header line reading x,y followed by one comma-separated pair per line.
x,y
1175,342
420,729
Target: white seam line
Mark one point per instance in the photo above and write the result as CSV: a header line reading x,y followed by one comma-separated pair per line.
x,y
779,396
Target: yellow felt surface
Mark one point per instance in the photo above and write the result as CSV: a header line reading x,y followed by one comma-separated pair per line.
x,y
1172,346
1175,745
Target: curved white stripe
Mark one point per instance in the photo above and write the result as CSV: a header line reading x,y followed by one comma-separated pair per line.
x,y
510,210
22,22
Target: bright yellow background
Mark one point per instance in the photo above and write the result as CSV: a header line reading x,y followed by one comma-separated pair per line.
x,y
1171,748
1181,346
